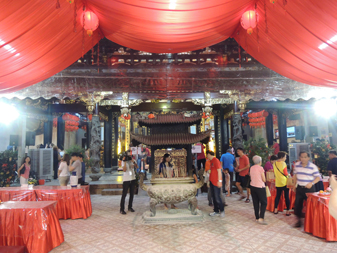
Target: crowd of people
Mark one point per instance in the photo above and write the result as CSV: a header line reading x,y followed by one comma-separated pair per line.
x,y
220,175
63,166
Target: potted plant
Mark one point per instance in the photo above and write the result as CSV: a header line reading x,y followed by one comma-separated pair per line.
x,y
320,150
8,167
258,147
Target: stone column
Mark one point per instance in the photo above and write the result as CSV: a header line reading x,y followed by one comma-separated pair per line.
x,y
282,129
224,131
95,144
270,129
108,141
88,133
237,127
60,133
48,127
217,130
114,137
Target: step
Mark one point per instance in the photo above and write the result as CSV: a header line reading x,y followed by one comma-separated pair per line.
x,y
112,191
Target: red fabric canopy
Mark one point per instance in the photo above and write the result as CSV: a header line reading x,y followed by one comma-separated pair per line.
x,y
37,40
288,37
43,38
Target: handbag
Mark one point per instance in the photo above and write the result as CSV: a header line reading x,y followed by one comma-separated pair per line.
x,y
290,181
22,171
268,191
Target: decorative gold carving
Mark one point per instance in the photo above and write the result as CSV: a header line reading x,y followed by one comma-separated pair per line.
x,y
39,104
228,114
178,159
125,102
242,106
103,116
90,99
235,95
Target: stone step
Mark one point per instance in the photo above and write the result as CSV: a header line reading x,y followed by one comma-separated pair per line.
x,y
112,191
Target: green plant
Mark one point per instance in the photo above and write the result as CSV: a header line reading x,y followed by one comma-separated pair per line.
x,y
32,181
8,167
258,147
320,150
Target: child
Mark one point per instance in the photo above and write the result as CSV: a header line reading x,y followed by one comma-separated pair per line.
x,y
227,182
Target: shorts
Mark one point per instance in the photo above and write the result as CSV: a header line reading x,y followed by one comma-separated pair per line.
x,y
244,180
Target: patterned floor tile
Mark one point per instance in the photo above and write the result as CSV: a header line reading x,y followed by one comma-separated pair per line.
x,y
109,231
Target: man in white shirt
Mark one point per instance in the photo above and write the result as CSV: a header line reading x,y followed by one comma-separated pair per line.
x,y
306,175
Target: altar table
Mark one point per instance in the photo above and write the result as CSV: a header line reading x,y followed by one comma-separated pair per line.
x,y
282,202
16,194
31,224
318,220
72,203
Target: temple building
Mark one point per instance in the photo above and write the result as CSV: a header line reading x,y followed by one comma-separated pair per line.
x,y
94,92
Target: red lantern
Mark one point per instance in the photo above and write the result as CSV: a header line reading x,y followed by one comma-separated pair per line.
x,y
90,22
249,20
265,114
90,117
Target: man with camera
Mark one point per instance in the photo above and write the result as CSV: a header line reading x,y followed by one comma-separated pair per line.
x,y
129,180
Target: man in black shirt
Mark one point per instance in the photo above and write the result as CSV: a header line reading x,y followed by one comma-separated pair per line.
x,y
332,165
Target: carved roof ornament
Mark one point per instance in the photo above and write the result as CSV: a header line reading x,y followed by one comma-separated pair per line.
x,y
125,102
90,99
207,101
236,95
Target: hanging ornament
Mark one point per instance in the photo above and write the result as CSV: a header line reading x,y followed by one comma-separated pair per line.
x,y
151,115
90,22
249,20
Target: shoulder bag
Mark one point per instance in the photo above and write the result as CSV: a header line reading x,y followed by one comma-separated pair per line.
x,y
290,181
22,171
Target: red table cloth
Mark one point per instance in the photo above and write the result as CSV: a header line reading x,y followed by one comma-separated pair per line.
x,y
32,224
72,203
318,220
282,202
326,184
16,194
12,249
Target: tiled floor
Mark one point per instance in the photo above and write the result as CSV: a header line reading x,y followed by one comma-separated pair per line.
x,y
108,231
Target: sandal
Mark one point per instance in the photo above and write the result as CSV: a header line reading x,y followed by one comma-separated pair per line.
x,y
247,200
288,213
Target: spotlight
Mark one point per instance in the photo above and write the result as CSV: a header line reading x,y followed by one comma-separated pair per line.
x,y
8,113
326,107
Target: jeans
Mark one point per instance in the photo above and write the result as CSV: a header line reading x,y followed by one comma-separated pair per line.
x,y
300,197
259,198
286,196
218,205
126,186
201,161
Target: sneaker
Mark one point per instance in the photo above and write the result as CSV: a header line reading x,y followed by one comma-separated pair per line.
x,y
214,214
222,214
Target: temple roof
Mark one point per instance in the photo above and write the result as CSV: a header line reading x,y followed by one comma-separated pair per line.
x,y
170,119
170,139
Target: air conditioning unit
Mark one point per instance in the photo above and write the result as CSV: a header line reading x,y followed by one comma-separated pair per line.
x,y
295,149
42,162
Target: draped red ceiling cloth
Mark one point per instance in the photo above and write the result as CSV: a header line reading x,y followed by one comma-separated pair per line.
x,y
286,39
290,45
